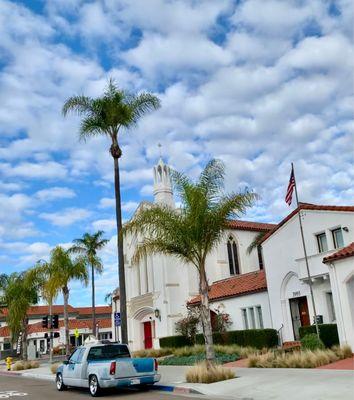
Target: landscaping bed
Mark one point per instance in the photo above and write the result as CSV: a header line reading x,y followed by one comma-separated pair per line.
x,y
220,358
299,359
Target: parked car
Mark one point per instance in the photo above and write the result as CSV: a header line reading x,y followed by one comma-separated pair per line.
x,y
102,364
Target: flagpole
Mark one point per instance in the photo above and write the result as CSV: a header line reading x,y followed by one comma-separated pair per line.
x,y
305,253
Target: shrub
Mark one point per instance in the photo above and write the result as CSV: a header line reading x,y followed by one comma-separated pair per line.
x,y
34,364
312,342
328,333
18,366
193,359
200,374
54,367
188,326
299,359
155,353
258,338
343,352
174,341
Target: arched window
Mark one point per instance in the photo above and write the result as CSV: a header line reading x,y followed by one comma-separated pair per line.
x,y
233,256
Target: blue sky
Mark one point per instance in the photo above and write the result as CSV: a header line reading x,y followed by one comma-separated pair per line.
x,y
257,83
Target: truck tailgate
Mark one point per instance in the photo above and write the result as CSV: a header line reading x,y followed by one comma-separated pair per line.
x,y
134,367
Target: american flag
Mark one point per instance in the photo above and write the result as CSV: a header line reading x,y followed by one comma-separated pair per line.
x,y
290,189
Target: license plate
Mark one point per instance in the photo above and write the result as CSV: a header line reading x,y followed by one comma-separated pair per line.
x,y
135,381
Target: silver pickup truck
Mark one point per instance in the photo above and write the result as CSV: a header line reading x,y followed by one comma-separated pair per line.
x,y
101,365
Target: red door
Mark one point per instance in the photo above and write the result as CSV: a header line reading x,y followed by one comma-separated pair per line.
x,y
304,311
147,335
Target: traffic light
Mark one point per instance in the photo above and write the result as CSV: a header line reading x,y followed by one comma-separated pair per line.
x,y
55,321
45,322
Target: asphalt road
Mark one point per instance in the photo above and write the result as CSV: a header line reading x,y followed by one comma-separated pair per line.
x,y
35,389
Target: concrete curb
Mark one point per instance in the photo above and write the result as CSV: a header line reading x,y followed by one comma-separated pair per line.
x,y
10,373
175,389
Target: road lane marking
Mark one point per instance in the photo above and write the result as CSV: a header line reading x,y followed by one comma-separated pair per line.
x,y
11,393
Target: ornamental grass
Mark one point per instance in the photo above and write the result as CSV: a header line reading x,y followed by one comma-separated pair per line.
x,y
199,373
299,359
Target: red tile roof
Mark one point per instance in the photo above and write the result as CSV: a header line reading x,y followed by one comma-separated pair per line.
x,y
59,309
345,252
44,310
4,331
250,226
307,206
239,285
73,324
99,310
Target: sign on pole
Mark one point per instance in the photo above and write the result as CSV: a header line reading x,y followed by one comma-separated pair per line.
x,y
117,320
76,333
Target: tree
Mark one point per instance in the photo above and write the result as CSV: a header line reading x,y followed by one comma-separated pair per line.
x,y
192,232
60,271
87,248
256,242
108,115
20,291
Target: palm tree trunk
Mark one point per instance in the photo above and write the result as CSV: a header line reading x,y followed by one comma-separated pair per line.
x,y
93,301
66,319
121,274
24,339
205,316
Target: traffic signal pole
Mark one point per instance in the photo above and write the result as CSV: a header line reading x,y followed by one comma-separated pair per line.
x,y
50,335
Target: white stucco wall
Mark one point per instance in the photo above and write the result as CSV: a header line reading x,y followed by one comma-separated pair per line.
x,y
342,283
285,265
233,306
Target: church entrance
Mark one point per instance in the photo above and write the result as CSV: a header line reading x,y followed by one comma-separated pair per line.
x,y
147,334
299,314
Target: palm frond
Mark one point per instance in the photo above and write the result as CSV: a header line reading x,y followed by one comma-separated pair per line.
x,y
77,104
256,242
142,104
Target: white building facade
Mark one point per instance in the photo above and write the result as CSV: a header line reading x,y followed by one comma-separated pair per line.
x,y
341,272
160,286
326,230
268,288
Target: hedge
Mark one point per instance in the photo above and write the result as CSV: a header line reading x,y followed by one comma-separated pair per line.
x,y
258,338
174,341
328,333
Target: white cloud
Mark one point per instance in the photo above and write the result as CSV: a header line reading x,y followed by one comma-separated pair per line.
x,y
107,202
55,193
106,225
66,217
31,170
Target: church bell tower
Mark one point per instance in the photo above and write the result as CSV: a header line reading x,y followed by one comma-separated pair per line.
x,y
163,193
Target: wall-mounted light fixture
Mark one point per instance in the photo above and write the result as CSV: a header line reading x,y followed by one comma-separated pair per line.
x,y
157,314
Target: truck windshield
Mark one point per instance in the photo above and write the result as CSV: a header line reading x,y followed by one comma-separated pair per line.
x,y
108,352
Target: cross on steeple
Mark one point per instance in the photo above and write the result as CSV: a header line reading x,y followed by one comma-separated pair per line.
x,y
159,145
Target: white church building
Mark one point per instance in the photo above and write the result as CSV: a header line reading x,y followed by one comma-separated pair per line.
x,y
267,288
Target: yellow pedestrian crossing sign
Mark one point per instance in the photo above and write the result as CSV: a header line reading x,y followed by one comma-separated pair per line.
x,y
76,333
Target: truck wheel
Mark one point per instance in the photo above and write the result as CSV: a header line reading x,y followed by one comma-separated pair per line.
x,y
94,386
60,383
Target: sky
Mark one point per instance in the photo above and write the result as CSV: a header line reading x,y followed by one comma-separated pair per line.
x,y
256,83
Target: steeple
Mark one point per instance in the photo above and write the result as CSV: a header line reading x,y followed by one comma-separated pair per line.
x,y
163,193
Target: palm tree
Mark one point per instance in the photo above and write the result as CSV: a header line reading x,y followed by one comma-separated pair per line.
x,y
256,242
64,270
107,115
192,232
20,291
87,248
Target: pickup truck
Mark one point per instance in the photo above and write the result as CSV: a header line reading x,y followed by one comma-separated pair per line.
x,y
101,365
